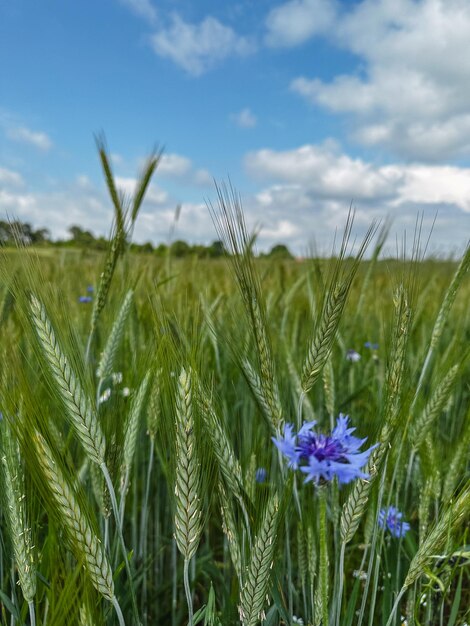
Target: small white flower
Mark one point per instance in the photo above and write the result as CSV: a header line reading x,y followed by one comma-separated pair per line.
x,y
297,620
126,392
353,356
105,395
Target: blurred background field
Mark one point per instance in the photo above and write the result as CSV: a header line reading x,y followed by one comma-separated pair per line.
x,y
189,314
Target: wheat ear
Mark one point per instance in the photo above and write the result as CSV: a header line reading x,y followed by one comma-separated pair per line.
x,y
20,530
188,514
76,402
453,517
442,316
153,418
227,461
229,528
108,356
188,506
231,226
356,502
459,458
325,332
259,392
130,438
253,593
87,545
322,342
434,407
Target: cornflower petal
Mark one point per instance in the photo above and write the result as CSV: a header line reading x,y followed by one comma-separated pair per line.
x,y
287,446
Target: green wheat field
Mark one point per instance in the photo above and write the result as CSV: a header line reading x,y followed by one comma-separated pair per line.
x,y
140,478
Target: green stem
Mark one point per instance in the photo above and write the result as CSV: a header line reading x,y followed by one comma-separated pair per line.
x,y
143,521
290,584
117,608
189,597
395,607
32,614
324,565
114,504
299,409
340,584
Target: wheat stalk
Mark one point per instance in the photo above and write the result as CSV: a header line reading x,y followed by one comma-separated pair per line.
x,y
434,407
229,528
130,438
442,316
76,523
356,502
188,506
322,342
228,463
459,458
253,593
108,356
449,521
188,514
232,228
14,510
77,404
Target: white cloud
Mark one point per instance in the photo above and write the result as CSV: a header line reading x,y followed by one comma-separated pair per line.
x,y
282,230
199,47
294,22
194,224
34,138
141,8
244,118
9,177
312,186
328,173
437,185
59,210
203,178
324,170
174,165
154,194
411,92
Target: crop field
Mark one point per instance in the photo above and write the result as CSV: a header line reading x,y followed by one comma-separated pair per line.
x,y
177,442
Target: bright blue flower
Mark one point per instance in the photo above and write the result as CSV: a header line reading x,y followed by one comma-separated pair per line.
x,y
90,289
85,299
392,519
322,457
261,475
372,346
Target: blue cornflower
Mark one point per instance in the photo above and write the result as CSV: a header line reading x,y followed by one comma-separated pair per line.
x,y
391,519
85,299
371,346
261,475
322,457
90,289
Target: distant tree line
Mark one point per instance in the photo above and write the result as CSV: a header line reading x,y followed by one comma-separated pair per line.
x,y
15,232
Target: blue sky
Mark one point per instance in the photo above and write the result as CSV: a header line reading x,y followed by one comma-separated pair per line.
x,y
307,105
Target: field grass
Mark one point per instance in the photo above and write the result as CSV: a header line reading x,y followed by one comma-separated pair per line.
x,y
140,480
